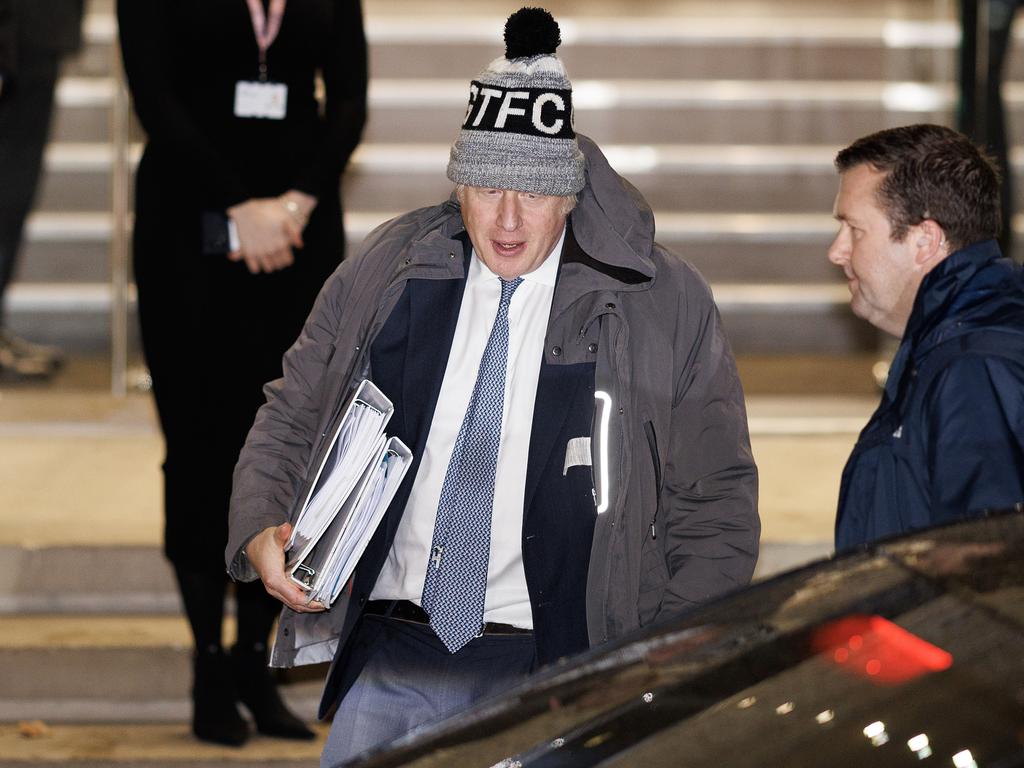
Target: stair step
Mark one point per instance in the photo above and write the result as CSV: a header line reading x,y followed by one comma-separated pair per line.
x,y
721,178
97,226
733,111
125,667
96,297
721,254
82,578
808,319
149,746
68,633
718,178
606,93
673,47
97,659
726,248
71,227
729,45
86,298
677,44
686,111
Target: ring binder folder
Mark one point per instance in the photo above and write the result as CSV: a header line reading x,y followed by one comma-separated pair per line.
x,y
354,485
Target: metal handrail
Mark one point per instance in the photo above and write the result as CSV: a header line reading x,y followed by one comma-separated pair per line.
x,y
120,118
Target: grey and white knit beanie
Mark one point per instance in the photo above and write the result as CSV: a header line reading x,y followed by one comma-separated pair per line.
x,y
518,132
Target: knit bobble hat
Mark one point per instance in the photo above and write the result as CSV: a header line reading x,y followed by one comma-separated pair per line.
x,y
518,132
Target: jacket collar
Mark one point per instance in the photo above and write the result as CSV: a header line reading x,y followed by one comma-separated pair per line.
x,y
939,304
942,291
440,246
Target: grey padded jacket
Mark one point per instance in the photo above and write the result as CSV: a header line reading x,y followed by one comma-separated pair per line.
x,y
675,480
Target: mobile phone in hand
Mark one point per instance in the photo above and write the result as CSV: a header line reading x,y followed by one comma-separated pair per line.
x,y
219,234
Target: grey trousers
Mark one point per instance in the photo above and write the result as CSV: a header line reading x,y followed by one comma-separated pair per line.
x,y
411,680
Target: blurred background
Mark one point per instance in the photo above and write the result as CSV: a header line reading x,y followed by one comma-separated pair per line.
x,y
726,115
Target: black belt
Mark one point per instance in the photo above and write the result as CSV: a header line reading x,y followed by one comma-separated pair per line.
x,y
403,610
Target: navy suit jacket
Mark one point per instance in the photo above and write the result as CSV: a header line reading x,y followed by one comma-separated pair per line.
x,y
407,361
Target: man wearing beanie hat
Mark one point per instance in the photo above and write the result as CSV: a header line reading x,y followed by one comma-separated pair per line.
x,y
582,464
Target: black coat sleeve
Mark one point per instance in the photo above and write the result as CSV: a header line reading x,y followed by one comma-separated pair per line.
x,y
7,38
345,81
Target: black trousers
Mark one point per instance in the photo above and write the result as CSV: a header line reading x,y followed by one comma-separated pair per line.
x,y
25,112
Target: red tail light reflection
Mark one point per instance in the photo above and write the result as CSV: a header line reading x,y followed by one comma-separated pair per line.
x,y
878,650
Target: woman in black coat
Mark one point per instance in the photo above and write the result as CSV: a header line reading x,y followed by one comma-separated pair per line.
x,y
252,109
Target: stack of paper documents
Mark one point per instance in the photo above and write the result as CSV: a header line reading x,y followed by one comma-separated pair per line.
x,y
354,486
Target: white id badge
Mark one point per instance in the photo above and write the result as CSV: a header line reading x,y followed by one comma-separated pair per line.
x,y
264,100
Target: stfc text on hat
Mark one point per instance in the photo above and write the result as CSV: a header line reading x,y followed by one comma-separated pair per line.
x,y
518,131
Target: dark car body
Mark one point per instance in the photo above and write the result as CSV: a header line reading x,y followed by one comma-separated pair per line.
x,y
909,652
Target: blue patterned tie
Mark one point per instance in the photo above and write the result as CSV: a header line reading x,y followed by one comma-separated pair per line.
x,y
456,582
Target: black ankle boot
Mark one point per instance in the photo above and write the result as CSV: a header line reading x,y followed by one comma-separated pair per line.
x,y
257,690
215,716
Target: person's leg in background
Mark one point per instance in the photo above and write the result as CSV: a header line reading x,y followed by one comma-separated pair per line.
x,y
215,716
967,68
26,106
204,414
987,34
221,679
253,680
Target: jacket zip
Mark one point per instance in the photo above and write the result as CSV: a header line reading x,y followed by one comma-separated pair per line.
x,y
652,441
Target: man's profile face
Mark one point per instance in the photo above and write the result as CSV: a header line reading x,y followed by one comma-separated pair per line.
x,y
512,232
882,275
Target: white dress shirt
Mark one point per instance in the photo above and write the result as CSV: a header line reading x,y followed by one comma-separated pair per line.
x,y
401,578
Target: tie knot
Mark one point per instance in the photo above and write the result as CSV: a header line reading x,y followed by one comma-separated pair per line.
x,y
508,287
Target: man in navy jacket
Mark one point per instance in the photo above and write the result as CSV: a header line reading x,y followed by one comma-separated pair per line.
x,y
918,211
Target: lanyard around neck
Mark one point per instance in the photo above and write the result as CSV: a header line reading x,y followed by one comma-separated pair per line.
x,y
265,27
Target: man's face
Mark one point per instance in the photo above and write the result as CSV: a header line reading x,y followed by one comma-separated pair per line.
x,y
512,232
883,275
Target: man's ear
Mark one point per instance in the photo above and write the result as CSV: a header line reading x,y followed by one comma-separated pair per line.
x,y
931,244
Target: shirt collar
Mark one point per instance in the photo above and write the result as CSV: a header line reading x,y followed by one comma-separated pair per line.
x,y
546,274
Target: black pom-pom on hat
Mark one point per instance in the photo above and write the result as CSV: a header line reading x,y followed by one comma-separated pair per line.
x,y
531,32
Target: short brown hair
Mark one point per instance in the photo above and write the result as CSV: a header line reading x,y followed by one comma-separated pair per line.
x,y
931,172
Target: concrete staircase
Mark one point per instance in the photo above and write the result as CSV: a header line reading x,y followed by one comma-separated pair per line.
x,y
725,115
95,660
92,641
